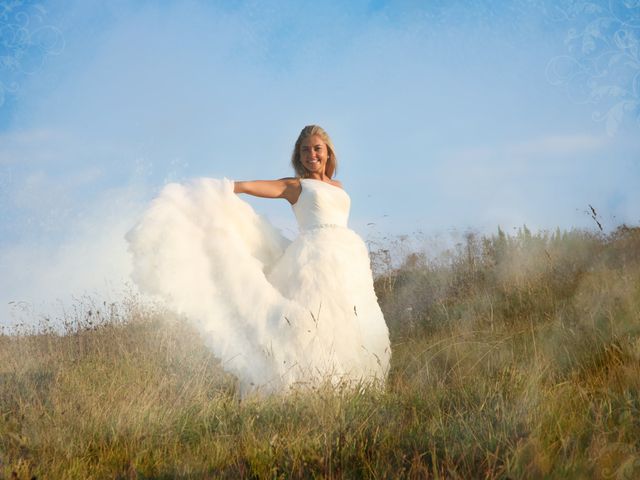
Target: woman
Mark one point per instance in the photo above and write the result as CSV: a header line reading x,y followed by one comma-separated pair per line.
x,y
278,313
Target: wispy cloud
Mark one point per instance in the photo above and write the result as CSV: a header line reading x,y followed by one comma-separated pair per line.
x,y
563,146
40,144
543,182
560,145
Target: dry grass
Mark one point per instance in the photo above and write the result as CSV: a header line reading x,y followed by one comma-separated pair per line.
x,y
513,357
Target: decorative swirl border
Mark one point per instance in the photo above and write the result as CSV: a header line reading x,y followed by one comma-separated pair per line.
x,y
602,65
25,43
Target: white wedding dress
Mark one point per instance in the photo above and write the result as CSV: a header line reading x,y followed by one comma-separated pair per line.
x,y
278,314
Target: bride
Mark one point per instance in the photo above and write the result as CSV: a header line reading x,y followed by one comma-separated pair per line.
x,y
278,313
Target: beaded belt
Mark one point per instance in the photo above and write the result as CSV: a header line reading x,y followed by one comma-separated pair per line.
x,y
322,225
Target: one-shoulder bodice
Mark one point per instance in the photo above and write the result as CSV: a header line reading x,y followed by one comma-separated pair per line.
x,y
321,204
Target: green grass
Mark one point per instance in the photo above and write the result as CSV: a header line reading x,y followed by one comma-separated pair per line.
x,y
513,357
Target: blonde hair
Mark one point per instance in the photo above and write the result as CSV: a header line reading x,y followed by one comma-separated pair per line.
x,y
332,160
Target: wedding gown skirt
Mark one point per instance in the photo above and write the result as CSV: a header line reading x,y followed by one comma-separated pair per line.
x,y
277,313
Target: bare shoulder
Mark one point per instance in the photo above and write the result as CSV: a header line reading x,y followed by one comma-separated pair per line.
x,y
290,181
291,189
336,183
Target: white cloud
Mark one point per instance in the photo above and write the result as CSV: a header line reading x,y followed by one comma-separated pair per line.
x,y
557,145
543,147
29,145
544,183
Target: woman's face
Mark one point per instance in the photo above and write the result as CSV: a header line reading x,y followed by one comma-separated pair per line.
x,y
314,154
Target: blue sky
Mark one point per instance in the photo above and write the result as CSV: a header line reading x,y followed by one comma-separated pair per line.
x,y
446,115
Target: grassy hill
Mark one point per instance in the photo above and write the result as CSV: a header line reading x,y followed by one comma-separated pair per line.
x,y
513,357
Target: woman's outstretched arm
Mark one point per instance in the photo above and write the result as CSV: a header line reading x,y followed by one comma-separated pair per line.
x,y
288,188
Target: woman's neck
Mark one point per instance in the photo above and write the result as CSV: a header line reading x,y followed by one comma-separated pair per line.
x,y
318,176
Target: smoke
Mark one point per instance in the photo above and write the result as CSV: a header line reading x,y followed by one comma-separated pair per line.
x,y
67,257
